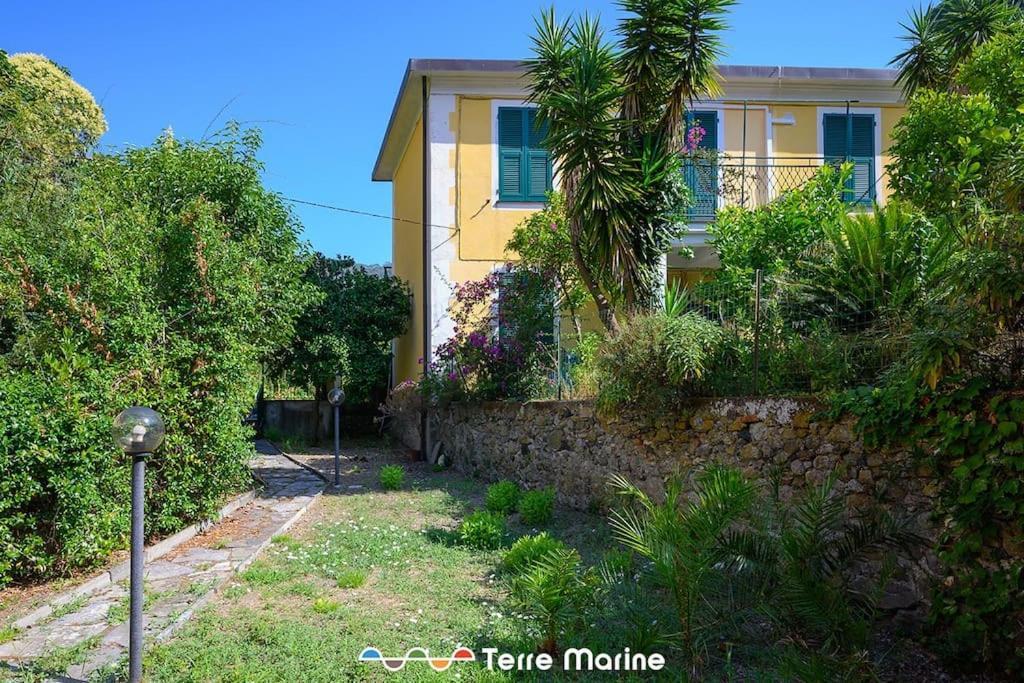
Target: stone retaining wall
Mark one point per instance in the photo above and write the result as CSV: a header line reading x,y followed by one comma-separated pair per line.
x,y
568,446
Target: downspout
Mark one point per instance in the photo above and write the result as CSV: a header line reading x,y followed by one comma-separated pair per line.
x,y
425,441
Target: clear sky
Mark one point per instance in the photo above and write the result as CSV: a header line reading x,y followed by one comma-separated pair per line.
x,y
319,78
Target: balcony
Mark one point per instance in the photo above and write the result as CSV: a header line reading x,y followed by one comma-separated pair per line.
x,y
722,181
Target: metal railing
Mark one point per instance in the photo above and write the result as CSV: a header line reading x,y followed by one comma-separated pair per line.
x,y
716,183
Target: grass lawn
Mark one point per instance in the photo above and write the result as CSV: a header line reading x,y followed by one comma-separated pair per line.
x,y
370,568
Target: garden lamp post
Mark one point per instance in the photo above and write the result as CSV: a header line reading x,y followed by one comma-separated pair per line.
x,y
137,431
336,397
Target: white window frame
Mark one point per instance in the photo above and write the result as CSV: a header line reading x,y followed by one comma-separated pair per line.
x,y
496,202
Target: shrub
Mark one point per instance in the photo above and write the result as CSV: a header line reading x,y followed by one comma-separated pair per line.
x,y
391,477
582,365
557,592
527,550
657,360
502,497
499,349
537,507
161,278
483,530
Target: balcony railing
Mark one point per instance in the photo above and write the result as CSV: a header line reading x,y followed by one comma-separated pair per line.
x,y
754,181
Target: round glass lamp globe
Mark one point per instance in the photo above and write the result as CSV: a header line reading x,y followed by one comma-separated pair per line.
x,y
138,430
336,396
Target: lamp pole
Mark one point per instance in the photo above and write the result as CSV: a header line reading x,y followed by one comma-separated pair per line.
x,y
336,397
138,431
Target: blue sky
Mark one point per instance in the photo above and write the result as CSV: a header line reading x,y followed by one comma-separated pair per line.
x,y
319,78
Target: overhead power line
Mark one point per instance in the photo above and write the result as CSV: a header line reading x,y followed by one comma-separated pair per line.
x,y
368,214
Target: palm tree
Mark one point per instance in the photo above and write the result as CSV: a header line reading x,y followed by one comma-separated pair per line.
x,y
942,36
925,63
616,119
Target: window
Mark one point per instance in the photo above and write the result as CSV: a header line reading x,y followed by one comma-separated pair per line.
x,y
852,138
526,304
701,171
524,166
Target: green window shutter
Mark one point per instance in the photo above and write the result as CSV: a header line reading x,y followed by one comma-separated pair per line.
x,y
702,174
510,154
852,138
538,171
524,165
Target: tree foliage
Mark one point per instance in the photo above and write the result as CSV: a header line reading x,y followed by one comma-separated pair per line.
x,y
543,245
347,331
45,116
160,276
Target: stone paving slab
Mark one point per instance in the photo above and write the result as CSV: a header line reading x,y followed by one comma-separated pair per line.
x,y
178,583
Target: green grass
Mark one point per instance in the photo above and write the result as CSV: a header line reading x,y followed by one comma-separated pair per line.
x,y
351,578
380,569
286,541
119,611
69,607
7,634
279,632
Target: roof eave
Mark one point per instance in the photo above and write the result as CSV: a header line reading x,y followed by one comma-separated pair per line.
x,y
408,105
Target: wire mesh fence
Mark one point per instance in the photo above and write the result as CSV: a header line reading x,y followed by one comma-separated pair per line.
x,y
779,338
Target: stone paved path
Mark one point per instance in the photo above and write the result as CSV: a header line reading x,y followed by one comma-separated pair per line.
x,y
178,583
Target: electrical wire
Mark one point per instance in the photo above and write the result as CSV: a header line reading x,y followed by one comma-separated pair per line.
x,y
368,214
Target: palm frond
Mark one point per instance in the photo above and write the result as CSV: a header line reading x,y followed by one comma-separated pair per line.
x,y
925,62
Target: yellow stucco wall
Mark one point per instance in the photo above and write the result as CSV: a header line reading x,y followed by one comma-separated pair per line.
x,y
799,142
407,250
484,227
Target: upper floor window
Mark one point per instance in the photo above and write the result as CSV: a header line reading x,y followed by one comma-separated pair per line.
x,y
851,137
701,168
524,165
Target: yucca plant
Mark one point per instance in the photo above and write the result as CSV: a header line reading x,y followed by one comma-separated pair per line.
x,y
683,540
677,299
616,124
941,37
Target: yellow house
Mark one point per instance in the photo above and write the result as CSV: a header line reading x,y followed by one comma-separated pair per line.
x,y
465,168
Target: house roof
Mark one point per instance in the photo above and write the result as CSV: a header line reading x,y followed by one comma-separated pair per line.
x,y
408,102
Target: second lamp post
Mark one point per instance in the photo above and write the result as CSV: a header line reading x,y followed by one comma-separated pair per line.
x,y
336,397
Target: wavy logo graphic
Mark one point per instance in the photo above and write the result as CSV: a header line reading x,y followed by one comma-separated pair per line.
x,y
417,654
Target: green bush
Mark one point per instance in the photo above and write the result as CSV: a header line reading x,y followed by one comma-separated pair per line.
x,y
483,530
558,593
537,507
657,360
391,477
160,276
502,497
527,550
770,237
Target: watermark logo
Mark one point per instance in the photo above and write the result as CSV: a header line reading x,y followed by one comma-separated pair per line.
x,y
417,654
